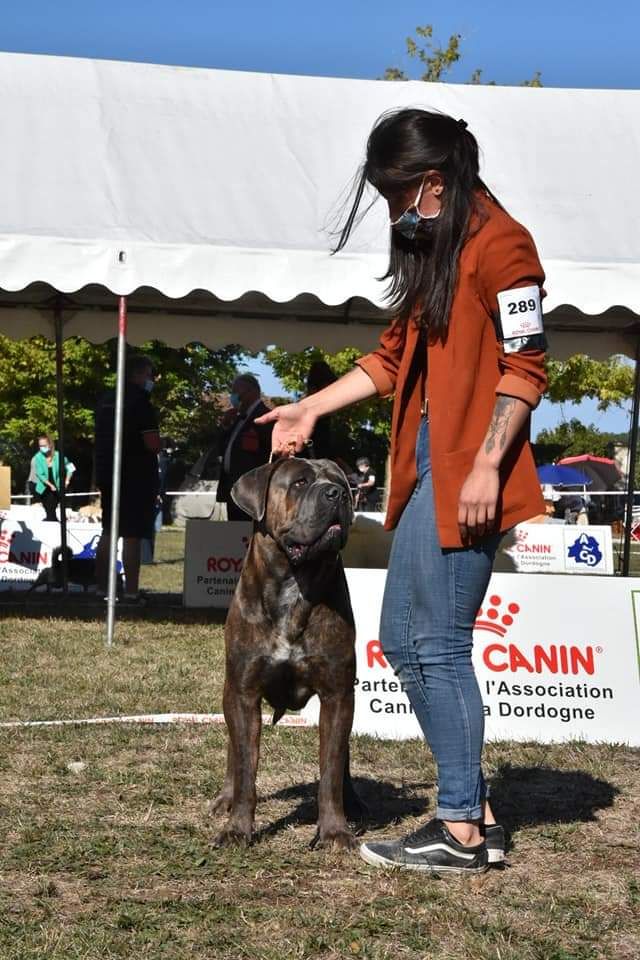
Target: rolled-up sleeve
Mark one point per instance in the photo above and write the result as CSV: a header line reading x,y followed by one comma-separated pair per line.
x,y
509,260
383,364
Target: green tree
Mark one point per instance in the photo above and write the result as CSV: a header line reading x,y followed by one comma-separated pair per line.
x,y
573,438
361,429
435,60
185,395
610,382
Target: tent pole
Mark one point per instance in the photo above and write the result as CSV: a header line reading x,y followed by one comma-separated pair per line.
x,y
633,455
117,464
60,445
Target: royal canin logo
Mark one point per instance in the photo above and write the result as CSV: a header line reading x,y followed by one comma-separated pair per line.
x,y
554,657
227,564
521,545
224,564
495,621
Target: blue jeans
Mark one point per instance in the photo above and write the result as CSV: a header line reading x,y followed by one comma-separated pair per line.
x,y
430,604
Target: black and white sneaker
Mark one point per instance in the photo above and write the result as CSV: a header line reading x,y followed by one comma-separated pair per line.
x,y
431,849
495,841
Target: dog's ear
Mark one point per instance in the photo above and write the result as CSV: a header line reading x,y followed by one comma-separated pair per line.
x,y
250,491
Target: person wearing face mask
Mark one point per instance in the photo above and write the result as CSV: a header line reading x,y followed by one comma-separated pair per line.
x,y
45,469
139,479
244,444
464,361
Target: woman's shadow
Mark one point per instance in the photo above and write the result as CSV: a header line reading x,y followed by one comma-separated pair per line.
x,y
533,796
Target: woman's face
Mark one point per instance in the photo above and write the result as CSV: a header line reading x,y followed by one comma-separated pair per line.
x,y
430,200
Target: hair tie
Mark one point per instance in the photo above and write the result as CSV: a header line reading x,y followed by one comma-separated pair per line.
x,y
462,124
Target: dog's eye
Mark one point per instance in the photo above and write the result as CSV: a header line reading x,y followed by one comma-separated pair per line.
x,y
301,482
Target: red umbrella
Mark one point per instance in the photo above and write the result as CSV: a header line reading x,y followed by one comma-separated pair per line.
x,y
602,471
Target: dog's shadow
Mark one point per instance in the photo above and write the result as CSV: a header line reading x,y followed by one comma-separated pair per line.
x,y
385,803
520,796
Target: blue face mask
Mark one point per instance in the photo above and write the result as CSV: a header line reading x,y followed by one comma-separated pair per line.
x,y
411,221
148,385
234,400
44,449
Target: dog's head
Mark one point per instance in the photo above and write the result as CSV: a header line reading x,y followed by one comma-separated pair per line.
x,y
305,505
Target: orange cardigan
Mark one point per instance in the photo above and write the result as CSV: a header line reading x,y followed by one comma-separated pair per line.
x,y
464,376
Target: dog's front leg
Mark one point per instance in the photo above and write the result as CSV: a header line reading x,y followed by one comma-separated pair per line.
x,y
336,719
244,721
224,799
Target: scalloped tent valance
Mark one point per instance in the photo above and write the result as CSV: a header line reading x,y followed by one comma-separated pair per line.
x,y
207,196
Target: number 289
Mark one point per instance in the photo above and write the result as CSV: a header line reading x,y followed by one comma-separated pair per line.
x,y
522,306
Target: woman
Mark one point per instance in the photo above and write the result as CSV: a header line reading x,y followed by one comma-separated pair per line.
x,y
47,473
464,359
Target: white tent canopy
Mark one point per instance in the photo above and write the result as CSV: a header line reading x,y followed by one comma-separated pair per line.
x,y
208,194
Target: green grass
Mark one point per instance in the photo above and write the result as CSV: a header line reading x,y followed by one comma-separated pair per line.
x,y
165,574
117,860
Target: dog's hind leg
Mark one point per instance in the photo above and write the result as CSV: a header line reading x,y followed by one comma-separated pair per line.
x,y
244,722
336,718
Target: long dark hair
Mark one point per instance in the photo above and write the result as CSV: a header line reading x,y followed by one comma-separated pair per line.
x,y
423,273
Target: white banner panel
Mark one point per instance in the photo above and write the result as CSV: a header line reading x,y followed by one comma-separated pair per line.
x,y
213,556
27,543
556,659
559,548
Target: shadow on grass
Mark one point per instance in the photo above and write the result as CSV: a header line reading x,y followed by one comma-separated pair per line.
x,y
534,796
521,796
386,803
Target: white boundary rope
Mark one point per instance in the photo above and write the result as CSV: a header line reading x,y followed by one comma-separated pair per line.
x,y
216,719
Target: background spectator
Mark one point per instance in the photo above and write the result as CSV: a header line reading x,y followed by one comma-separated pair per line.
x,y
244,444
46,470
139,479
365,499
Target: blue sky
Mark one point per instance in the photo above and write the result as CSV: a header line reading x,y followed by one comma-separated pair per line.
x,y
573,43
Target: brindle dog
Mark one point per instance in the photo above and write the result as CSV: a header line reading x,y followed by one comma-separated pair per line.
x,y
289,634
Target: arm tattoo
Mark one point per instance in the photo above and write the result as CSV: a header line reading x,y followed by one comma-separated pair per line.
x,y
499,423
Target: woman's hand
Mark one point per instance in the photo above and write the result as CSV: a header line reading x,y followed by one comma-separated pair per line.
x,y
293,426
478,500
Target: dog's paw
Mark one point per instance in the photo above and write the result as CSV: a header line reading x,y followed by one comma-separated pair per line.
x,y
220,804
233,836
335,839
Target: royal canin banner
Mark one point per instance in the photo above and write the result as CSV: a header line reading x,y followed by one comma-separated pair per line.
x,y
556,659
27,544
213,558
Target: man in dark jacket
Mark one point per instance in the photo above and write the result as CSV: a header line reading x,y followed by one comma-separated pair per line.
x,y
139,482
244,443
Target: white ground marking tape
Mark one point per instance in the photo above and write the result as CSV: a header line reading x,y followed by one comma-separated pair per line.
x,y
150,718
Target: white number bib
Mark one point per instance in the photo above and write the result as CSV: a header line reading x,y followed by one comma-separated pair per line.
x,y
520,312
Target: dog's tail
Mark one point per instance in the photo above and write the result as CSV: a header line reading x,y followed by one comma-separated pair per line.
x,y
278,715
